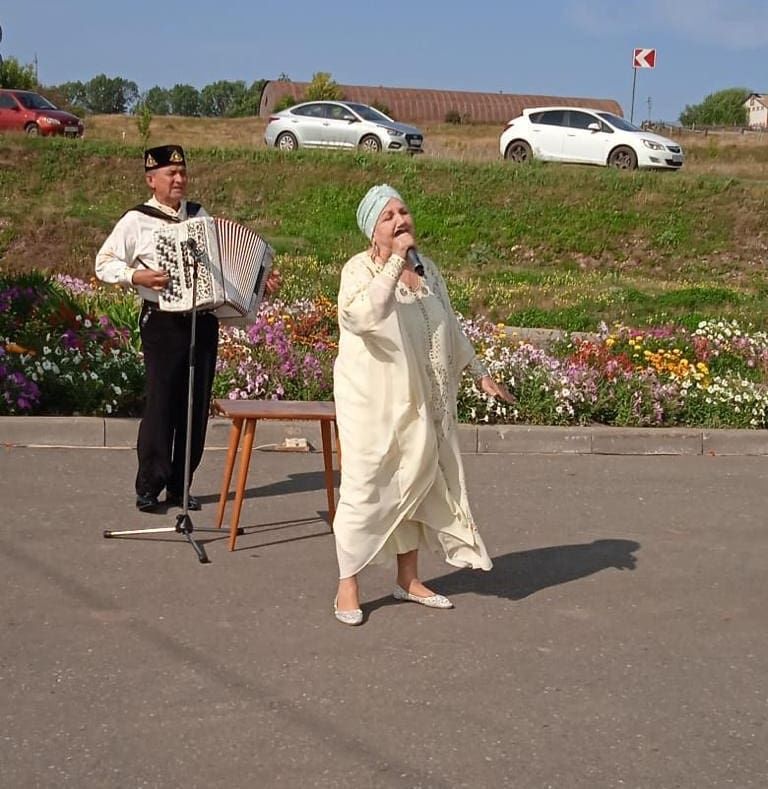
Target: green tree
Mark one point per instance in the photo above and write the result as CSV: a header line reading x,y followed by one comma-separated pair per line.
x,y
74,93
250,101
110,95
156,100
222,98
143,122
323,86
14,75
185,100
722,108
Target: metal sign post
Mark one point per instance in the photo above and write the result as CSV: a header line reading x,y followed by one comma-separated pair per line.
x,y
641,58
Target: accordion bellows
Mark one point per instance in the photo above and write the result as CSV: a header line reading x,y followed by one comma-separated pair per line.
x,y
233,264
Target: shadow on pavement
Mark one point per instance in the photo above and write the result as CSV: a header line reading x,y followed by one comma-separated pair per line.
x,y
301,482
520,574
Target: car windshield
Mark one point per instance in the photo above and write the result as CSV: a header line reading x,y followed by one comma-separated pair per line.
x,y
618,122
369,113
33,101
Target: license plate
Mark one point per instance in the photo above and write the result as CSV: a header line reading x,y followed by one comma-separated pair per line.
x,y
416,143
71,129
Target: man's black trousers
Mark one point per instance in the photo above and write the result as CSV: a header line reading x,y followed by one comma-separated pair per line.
x,y
161,444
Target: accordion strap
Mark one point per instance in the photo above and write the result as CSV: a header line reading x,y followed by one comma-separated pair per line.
x,y
150,210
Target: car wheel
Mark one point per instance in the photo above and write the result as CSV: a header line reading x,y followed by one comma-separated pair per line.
x,y
370,144
623,158
32,129
286,142
518,151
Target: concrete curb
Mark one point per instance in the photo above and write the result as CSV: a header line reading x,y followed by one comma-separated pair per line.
x,y
97,432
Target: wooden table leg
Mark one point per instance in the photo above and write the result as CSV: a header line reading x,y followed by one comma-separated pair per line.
x,y
242,478
325,431
338,444
234,440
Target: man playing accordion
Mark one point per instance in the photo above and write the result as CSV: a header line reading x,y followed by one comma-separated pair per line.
x,y
128,257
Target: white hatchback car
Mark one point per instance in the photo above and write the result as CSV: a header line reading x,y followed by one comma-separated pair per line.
x,y
586,136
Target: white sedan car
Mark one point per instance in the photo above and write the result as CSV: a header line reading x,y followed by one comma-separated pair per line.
x,y
586,136
340,124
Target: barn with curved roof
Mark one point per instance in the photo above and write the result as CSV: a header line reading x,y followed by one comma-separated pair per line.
x,y
414,104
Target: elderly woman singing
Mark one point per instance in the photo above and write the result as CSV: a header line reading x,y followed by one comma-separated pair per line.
x,y
401,356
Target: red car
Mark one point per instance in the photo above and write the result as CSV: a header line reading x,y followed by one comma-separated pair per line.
x,y
23,110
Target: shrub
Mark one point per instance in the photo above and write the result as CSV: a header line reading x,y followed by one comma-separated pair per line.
x,y
60,358
284,102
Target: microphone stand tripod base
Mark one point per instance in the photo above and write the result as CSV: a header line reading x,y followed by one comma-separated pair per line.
x,y
183,526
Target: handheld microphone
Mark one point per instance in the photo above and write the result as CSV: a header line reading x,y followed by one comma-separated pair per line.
x,y
413,258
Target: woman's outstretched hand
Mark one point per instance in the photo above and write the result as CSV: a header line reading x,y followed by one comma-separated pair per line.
x,y
494,388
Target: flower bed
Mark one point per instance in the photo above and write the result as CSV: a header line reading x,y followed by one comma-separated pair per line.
x,y
67,347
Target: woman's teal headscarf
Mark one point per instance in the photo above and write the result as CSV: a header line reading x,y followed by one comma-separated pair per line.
x,y
372,205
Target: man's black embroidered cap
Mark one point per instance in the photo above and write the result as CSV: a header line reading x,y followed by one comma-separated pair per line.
x,y
163,156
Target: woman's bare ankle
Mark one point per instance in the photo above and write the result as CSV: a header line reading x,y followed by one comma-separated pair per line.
x,y
415,587
348,595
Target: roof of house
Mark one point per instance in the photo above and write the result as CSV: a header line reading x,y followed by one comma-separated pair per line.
x,y
761,97
417,104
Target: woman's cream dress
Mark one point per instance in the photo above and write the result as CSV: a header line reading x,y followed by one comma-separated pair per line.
x,y
396,379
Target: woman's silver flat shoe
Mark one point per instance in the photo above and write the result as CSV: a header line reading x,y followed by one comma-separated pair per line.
x,y
353,617
433,601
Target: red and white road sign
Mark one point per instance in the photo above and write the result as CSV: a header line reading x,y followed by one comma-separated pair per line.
x,y
644,58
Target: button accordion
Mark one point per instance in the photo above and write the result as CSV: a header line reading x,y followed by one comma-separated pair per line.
x,y
232,266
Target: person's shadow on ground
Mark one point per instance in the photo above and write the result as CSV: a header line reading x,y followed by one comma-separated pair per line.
x,y
520,574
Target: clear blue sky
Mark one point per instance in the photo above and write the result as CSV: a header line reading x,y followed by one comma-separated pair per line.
x,y
554,47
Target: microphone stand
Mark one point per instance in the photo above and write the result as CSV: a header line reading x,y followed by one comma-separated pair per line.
x,y
184,524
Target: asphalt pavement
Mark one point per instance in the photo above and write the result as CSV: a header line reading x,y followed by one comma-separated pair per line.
x,y
619,641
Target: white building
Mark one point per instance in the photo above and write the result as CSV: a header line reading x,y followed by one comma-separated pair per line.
x,y
757,110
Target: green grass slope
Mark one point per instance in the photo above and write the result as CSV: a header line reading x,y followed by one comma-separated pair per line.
x,y
541,245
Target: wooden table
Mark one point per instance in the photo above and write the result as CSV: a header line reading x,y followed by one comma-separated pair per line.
x,y
247,413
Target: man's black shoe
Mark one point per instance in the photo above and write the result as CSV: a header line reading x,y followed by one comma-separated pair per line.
x,y
147,503
173,500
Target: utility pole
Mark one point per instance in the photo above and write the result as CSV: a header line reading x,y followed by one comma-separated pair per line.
x,y
34,61
650,104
